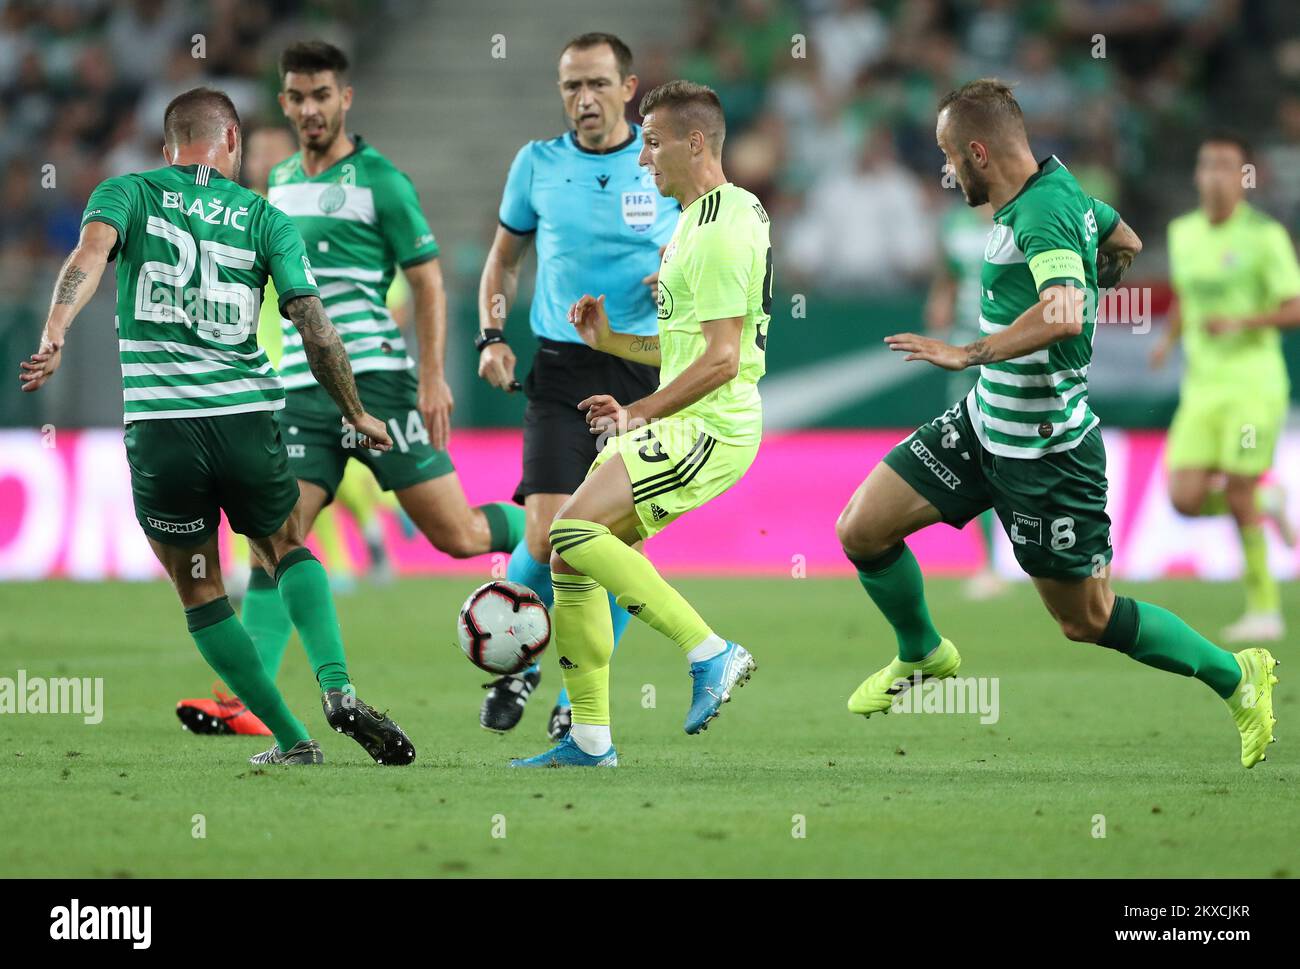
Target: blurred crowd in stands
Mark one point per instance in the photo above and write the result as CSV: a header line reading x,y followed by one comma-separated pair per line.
x,y
830,104
837,134
83,84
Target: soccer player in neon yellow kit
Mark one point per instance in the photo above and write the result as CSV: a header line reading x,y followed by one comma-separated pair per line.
x,y
703,430
1236,283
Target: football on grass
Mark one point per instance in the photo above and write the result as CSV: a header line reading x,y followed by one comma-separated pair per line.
x,y
504,627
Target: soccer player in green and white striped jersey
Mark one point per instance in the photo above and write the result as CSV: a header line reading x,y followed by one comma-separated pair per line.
x,y
194,252
1025,441
361,221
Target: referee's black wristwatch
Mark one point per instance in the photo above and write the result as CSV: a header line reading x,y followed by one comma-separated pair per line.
x,y
488,337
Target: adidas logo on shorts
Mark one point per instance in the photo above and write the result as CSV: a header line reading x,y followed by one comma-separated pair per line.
x,y
657,513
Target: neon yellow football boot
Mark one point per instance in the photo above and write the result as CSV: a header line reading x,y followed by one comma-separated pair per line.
x,y
878,690
1252,704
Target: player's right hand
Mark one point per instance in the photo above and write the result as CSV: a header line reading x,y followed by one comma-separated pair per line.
x,y
589,318
371,433
496,365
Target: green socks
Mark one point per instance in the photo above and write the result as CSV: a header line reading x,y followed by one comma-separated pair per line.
x,y
266,620
1156,637
894,582
305,590
228,649
1261,588
505,523
629,577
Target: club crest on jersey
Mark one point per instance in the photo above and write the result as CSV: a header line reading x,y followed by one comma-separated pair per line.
x,y
332,199
665,301
639,209
996,238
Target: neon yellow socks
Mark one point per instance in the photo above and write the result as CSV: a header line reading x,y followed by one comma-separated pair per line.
x,y
629,577
1261,588
584,640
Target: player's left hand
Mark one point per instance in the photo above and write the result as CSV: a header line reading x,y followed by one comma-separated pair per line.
x,y
930,350
37,369
604,413
436,404
1222,325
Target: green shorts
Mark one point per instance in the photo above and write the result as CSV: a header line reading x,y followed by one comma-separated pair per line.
x,y
1233,433
675,467
319,446
1053,508
185,471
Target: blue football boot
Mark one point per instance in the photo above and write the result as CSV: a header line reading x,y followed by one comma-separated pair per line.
x,y
714,679
568,754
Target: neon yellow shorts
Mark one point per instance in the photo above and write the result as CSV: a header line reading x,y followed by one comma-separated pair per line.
x,y
1235,434
675,466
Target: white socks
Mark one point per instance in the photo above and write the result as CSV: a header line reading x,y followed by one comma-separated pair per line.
x,y
708,649
591,738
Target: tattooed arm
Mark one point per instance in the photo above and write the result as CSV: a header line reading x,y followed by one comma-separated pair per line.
x,y
1056,316
78,280
592,323
328,360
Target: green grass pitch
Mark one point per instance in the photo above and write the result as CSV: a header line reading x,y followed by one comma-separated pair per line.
x,y
1083,732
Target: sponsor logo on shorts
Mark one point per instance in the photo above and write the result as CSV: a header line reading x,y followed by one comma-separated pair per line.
x,y
176,528
567,664
1026,529
657,513
297,450
939,469
635,608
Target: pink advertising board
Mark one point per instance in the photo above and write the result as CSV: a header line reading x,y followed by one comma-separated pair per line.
x,y
65,511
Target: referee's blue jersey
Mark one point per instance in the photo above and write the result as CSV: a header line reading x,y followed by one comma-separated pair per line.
x,y
599,222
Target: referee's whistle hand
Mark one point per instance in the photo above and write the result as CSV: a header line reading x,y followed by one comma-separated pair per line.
x,y
496,365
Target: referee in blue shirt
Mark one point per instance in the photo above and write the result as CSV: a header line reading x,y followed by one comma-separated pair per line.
x,y
599,225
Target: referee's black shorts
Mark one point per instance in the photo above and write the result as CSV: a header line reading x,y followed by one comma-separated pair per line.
x,y
558,446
